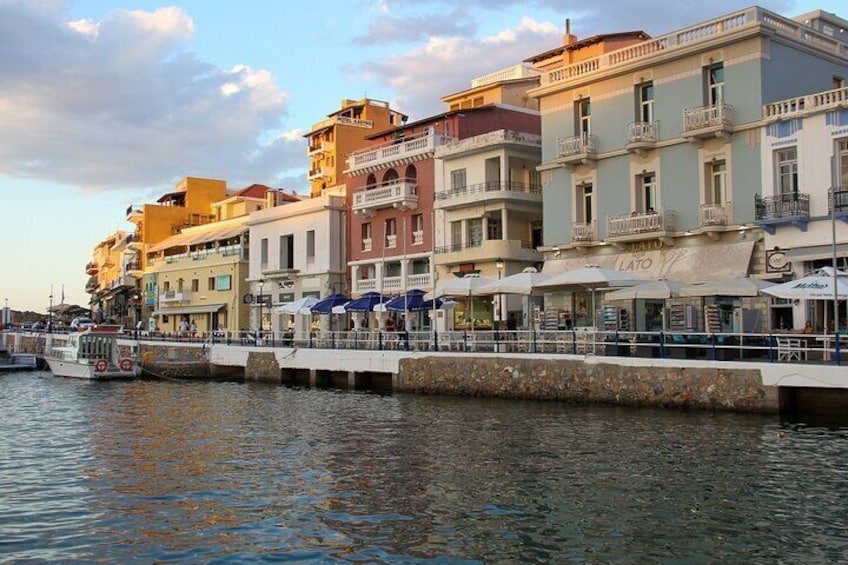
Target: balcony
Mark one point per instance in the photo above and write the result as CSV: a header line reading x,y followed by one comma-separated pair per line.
x,y
175,296
132,266
707,122
391,241
577,150
366,244
399,152
805,105
344,121
488,191
400,193
642,136
392,285
583,233
135,213
715,214
418,238
839,197
92,268
638,226
320,148
790,208
320,173
91,285
488,250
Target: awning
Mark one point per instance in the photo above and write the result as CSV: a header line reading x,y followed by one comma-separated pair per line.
x,y
683,264
194,237
178,310
816,252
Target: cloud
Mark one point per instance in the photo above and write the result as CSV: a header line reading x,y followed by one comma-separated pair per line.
x,y
122,103
397,29
443,64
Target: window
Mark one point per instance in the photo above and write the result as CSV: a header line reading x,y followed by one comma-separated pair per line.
x,y
787,171
647,192
478,101
456,235
584,116
210,283
717,191
494,229
585,198
223,282
838,82
166,286
842,163
310,246
417,229
391,233
646,102
365,231
263,253
195,285
286,252
475,232
715,85
457,179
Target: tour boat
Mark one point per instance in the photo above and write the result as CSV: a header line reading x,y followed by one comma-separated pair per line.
x,y
92,354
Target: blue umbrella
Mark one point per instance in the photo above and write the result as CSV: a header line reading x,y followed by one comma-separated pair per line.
x,y
325,306
366,302
412,301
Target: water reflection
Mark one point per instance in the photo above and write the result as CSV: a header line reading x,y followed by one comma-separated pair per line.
x,y
208,472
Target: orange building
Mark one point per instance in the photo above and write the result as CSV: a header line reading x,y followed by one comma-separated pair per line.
x,y
343,132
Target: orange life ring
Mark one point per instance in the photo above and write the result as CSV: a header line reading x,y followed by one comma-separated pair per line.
x,y
101,365
126,364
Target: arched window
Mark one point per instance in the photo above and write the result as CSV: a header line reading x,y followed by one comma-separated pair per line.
x,y
372,180
391,175
411,173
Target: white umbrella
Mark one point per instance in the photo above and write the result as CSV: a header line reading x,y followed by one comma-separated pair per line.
x,y
296,306
524,282
817,286
742,286
650,290
592,278
458,286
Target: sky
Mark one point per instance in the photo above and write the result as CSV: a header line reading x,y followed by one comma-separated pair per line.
x,y
105,104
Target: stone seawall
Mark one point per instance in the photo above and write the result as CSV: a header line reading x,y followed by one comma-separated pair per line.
x,y
731,389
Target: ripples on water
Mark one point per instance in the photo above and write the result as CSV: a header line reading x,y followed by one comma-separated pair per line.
x,y
150,471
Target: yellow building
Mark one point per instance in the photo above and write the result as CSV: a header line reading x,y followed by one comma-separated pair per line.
x,y
111,287
344,131
200,274
506,87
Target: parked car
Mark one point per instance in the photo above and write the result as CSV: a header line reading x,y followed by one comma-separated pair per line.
x,y
81,323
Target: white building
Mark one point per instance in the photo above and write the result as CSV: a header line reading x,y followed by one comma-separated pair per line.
x,y
804,171
297,249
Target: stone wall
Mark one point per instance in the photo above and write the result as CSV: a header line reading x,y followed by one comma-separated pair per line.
x,y
739,390
175,362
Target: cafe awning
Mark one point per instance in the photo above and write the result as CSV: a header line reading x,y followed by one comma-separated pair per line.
x,y
181,310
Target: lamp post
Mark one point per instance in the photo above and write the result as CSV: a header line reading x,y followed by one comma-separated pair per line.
x,y
499,265
261,299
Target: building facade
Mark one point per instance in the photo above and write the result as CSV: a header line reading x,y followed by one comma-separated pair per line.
x,y
342,132
652,146
803,208
296,250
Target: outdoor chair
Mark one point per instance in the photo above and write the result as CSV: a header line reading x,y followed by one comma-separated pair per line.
x,y
791,349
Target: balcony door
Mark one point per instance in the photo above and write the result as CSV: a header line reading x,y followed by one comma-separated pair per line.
x,y
787,171
717,183
585,203
715,85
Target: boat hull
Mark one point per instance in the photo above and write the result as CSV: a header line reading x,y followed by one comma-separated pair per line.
x,y
83,370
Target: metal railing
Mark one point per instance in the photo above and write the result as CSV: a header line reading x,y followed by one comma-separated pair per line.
x,y
641,222
838,196
789,205
715,214
583,231
576,145
643,132
707,116
490,186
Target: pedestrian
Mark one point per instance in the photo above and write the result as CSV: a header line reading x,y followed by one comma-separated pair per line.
x,y
193,328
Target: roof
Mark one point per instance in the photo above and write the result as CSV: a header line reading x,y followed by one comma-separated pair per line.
x,y
433,118
252,191
585,43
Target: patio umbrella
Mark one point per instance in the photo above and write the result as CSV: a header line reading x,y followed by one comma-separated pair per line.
x,y
466,286
326,305
590,278
817,286
295,306
524,282
742,286
412,301
655,290
366,303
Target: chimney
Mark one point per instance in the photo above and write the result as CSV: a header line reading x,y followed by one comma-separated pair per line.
x,y
568,39
272,198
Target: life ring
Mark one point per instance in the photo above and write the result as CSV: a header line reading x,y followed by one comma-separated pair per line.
x,y
101,365
126,364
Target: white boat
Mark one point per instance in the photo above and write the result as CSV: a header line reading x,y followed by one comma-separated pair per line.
x,y
92,354
17,361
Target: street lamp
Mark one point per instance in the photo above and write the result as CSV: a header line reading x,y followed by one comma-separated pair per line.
x,y
261,284
499,265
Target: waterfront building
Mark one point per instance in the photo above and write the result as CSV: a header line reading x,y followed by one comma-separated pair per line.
x,y
189,204
112,279
652,146
342,132
488,197
296,250
200,274
803,208
391,192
